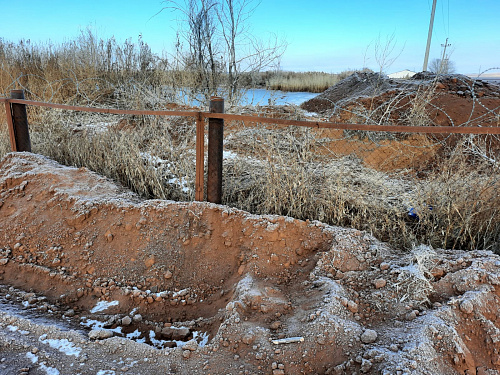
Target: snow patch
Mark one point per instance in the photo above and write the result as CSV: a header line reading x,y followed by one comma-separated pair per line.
x,y
95,324
103,306
33,358
64,346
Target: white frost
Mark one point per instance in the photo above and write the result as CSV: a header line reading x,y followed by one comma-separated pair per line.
x,y
64,346
229,155
104,305
33,358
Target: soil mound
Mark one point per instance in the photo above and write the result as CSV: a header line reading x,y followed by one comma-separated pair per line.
x,y
358,84
425,99
151,287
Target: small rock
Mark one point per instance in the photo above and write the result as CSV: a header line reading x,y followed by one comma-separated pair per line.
x,y
467,307
109,236
191,345
352,306
186,354
369,336
384,266
379,283
248,339
412,315
275,325
366,365
100,334
168,275
126,321
137,318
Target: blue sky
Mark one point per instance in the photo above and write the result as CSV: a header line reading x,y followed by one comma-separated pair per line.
x,y
322,35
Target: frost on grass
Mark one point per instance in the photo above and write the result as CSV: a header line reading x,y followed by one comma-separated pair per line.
x,y
414,280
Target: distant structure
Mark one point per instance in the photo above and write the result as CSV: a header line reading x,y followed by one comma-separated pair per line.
x,y
404,74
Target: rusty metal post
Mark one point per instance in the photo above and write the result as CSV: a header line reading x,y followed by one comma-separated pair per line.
x,y
200,158
10,126
20,122
215,149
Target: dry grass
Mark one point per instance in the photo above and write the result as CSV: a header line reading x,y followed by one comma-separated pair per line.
x,y
152,156
276,171
291,178
303,81
286,171
308,81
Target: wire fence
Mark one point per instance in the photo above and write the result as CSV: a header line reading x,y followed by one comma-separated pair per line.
x,y
429,184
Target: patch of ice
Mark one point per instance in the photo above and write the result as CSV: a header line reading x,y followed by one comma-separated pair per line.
x,y
103,306
134,335
95,324
155,342
25,303
105,372
64,346
202,338
33,358
12,328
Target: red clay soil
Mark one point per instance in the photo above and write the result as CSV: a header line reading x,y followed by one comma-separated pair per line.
x,y
206,289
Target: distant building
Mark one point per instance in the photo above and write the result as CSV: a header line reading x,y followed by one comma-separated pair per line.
x,y
404,74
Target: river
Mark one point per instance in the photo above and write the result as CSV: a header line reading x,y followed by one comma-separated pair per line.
x,y
275,97
267,97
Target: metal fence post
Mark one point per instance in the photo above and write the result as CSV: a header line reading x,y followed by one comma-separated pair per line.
x,y
20,123
10,126
215,149
200,158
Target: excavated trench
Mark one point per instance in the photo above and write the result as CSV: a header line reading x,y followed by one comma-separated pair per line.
x,y
215,289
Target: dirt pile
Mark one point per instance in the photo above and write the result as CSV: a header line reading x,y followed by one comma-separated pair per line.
x,y
99,281
425,99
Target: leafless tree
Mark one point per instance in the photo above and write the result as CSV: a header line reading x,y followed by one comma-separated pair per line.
x,y
440,66
215,28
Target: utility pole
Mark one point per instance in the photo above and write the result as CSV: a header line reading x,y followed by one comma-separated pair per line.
x,y
444,60
429,36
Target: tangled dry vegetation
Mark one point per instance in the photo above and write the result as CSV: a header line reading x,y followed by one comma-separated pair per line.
x,y
297,172
366,180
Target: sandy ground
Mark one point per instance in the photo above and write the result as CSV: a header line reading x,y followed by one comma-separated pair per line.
x,y
97,281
